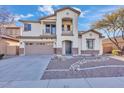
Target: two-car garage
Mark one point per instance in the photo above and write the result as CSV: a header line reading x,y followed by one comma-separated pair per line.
x,y
37,48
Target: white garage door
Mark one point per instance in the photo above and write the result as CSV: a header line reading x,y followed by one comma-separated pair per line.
x,y
34,48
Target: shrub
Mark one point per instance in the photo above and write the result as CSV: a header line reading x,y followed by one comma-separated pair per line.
x,y
1,56
115,52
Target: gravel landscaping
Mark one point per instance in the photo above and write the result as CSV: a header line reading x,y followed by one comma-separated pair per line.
x,y
59,68
100,72
60,64
108,62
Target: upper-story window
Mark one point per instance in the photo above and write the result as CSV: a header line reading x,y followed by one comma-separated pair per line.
x,y
63,28
47,28
50,28
68,28
90,43
10,32
53,28
27,27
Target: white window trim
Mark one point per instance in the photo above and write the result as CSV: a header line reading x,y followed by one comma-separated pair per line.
x,y
50,28
93,44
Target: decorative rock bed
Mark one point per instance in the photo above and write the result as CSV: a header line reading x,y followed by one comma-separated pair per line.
x,y
83,66
76,66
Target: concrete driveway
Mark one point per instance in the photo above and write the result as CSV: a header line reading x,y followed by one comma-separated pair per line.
x,y
26,71
23,68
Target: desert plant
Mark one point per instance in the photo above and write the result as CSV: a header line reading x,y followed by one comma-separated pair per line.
x,y
115,52
113,26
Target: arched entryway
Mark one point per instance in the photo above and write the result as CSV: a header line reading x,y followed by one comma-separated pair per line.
x,y
67,47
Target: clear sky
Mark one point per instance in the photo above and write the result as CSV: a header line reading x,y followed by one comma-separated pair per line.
x,y
89,13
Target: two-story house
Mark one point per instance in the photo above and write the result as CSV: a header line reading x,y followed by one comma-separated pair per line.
x,y
58,34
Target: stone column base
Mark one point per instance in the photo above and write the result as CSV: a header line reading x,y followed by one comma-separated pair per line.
x,y
74,51
91,52
21,51
58,51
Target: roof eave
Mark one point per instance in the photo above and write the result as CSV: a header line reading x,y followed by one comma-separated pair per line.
x,y
30,21
74,10
47,17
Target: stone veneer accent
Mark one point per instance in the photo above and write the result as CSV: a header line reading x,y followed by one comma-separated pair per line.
x,y
74,50
21,50
58,50
92,52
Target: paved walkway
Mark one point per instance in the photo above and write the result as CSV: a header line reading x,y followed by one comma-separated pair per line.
x,y
118,57
112,82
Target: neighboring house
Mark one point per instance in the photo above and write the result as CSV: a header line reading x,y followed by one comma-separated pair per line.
x,y
13,31
9,42
9,45
108,46
58,34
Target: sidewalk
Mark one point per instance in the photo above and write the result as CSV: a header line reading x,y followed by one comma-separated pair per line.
x,y
118,57
109,82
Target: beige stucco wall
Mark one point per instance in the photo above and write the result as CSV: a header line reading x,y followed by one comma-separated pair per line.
x,y
60,38
8,47
35,30
3,45
11,50
13,32
38,40
91,35
12,43
79,45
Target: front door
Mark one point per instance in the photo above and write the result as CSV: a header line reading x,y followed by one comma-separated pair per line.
x,y
68,47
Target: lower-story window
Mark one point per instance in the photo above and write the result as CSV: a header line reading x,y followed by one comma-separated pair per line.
x,y
27,43
30,43
90,43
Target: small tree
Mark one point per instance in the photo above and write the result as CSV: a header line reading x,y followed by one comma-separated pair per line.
x,y
6,18
120,13
110,25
